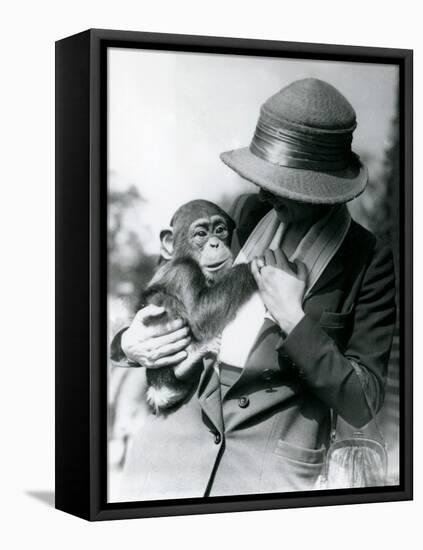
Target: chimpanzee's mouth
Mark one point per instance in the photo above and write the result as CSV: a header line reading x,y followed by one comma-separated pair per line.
x,y
216,266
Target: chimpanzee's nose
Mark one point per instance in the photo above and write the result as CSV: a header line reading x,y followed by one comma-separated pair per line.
x,y
214,242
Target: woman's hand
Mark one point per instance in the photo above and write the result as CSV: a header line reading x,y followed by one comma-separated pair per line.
x,y
282,286
158,344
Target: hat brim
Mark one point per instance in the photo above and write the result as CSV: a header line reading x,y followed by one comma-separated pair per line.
x,y
296,183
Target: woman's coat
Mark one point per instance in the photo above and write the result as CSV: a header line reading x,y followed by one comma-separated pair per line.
x,y
266,429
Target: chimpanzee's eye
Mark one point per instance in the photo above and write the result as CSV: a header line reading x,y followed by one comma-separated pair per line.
x,y
220,230
200,233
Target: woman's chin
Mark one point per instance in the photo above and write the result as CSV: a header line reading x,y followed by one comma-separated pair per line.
x,y
283,215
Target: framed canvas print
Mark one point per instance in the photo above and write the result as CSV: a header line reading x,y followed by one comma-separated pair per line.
x,y
234,274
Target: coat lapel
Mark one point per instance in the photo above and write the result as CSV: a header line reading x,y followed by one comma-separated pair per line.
x,y
209,396
331,272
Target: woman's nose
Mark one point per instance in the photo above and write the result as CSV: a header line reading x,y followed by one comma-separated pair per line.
x,y
263,195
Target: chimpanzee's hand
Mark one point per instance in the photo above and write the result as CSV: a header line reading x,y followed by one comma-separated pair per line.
x,y
282,286
155,345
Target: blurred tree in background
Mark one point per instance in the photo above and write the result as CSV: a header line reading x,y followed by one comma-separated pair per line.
x,y
129,266
129,270
378,210
390,232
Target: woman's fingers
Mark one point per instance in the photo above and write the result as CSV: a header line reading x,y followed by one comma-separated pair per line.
x,y
302,271
255,270
269,257
170,360
170,338
149,332
171,349
167,328
281,260
277,258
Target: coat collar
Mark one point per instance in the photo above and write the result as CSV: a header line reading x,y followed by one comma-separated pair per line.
x,y
250,210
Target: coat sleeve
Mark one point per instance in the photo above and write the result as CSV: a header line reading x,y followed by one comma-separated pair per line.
x,y
117,357
328,372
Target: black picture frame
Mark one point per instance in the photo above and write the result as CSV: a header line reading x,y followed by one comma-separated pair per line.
x,y
81,256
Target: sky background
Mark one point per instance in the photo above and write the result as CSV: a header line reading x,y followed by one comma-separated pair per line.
x,y
170,115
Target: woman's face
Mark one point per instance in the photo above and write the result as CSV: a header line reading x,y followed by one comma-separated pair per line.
x,y
289,211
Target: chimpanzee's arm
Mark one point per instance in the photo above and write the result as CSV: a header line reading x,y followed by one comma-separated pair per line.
x,y
208,308
217,305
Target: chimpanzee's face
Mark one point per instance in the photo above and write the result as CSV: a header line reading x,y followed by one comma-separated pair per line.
x,y
209,242
203,231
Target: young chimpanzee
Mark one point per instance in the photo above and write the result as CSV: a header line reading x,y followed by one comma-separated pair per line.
x,y
197,282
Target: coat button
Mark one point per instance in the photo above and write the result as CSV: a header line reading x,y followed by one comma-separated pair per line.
x,y
217,438
243,402
286,359
267,375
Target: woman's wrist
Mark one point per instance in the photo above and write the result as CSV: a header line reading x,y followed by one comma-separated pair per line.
x,y
288,324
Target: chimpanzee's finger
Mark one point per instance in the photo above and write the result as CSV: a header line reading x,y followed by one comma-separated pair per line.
x,y
149,312
170,360
282,261
269,257
171,349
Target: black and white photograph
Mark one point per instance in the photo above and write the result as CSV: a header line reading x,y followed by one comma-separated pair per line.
x,y
253,275
210,283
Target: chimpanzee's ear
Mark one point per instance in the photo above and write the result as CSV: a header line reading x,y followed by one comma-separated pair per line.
x,y
166,239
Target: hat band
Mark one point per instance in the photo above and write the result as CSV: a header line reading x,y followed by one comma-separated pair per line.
x,y
293,149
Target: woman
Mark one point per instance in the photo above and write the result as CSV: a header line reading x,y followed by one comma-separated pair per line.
x,y
261,421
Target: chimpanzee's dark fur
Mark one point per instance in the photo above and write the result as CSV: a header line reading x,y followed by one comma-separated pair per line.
x,y
207,305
